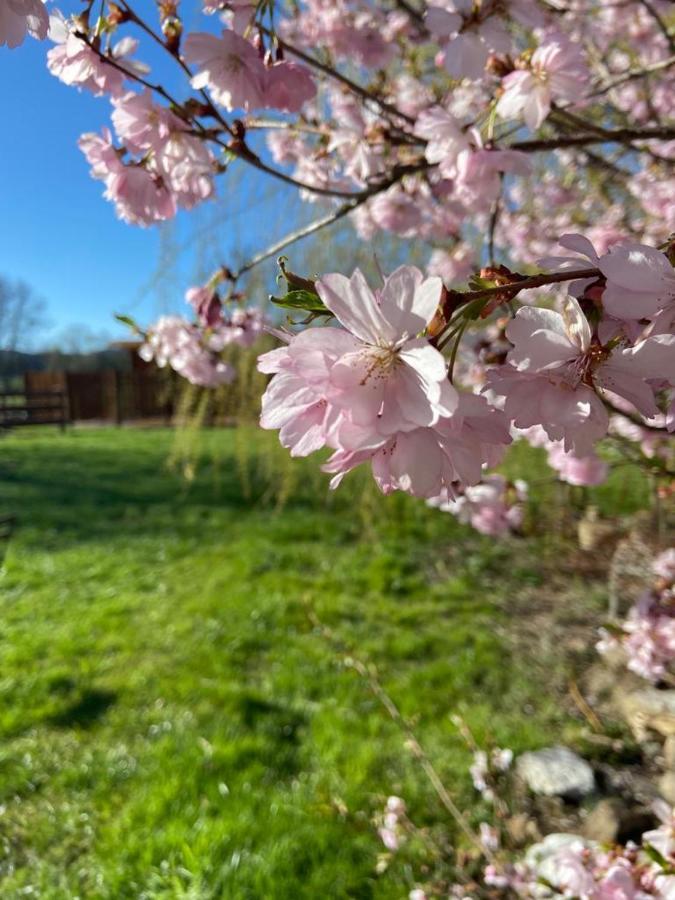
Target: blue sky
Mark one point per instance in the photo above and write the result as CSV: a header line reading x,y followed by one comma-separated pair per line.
x,y
61,236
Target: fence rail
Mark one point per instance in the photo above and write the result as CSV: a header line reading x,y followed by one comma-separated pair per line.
x,y
33,408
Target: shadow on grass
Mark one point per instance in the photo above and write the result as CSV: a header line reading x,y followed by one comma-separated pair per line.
x,y
84,712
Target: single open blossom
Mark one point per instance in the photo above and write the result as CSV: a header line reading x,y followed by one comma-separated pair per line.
x,y
74,62
557,71
229,66
296,399
141,123
562,367
395,210
101,154
392,380
444,136
21,17
469,39
640,281
140,196
187,167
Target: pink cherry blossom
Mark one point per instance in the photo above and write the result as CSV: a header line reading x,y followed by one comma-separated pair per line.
x,y
586,470
229,66
493,507
664,565
640,281
21,17
444,136
140,196
296,399
75,63
101,153
392,380
558,349
187,167
395,210
174,342
452,266
141,123
288,86
468,40
206,304
557,71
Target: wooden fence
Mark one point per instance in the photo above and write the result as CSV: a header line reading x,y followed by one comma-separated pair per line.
x,y
33,408
106,396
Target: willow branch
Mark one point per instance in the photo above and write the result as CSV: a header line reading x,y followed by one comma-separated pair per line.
x,y
297,235
335,216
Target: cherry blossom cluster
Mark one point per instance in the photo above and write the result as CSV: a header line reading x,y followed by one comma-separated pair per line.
x,y
21,17
566,865
494,506
486,129
647,636
560,865
377,390
194,349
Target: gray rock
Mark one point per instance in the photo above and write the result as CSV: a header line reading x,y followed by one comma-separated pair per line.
x,y
556,772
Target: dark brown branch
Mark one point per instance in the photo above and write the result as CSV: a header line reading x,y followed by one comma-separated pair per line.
x,y
615,136
531,282
663,28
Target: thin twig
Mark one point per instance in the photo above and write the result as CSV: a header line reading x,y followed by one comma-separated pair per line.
x,y
369,675
582,705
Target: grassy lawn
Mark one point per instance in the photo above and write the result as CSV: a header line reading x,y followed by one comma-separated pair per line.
x,y
171,723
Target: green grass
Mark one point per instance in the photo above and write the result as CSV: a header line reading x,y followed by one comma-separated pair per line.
x,y
171,724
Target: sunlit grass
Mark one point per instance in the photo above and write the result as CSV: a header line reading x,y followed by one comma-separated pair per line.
x,y
172,725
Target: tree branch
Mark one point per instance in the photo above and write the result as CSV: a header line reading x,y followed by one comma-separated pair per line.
x,y
663,28
632,74
615,136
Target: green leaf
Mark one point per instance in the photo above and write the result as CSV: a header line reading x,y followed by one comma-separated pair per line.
x,y
306,300
129,322
657,857
477,283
